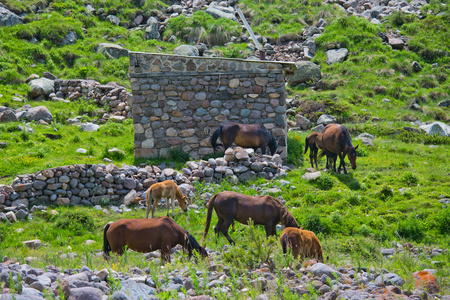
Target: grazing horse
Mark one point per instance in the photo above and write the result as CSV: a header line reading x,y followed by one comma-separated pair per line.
x,y
336,140
166,189
245,135
146,235
314,143
301,242
263,210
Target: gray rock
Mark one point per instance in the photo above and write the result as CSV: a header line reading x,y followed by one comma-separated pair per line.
x,y
152,32
319,128
137,290
444,103
33,244
311,176
113,19
8,116
336,55
70,39
8,18
41,87
326,119
437,128
305,72
187,50
112,51
90,127
84,293
302,122
389,279
320,269
221,12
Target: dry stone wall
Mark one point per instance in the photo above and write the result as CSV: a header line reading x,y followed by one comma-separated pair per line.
x,y
178,101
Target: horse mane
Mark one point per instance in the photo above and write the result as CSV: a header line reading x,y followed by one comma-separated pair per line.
x,y
288,218
215,136
191,243
347,137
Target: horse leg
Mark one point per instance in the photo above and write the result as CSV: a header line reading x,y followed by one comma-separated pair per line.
x,y
269,227
155,203
342,163
224,230
147,210
165,253
218,228
315,158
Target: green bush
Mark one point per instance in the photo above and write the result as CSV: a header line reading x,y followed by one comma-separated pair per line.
x,y
324,182
443,221
385,191
315,224
411,228
75,221
410,179
295,146
178,155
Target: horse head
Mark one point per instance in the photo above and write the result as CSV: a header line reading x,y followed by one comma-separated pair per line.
x,y
288,220
352,155
273,145
192,244
183,203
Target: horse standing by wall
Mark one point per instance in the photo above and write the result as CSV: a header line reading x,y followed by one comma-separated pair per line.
x,y
146,235
245,135
301,242
263,210
314,143
336,140
166,189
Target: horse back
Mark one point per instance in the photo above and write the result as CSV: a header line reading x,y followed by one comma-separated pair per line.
x,y
243,207
333,138
145,235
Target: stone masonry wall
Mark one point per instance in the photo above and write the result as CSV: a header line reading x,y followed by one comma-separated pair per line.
x,y
178,101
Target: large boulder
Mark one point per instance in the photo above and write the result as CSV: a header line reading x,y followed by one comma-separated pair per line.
x,y
113,19
326,119
437,128
305,72
336,55
8,18
112,51
41,87
152,30
8,116
187,50
222,12
39,113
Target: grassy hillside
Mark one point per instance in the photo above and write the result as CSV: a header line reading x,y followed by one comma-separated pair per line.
x,y
393,195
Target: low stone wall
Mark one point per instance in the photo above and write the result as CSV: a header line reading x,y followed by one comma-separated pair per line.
x,y
111,94
99,184
178,101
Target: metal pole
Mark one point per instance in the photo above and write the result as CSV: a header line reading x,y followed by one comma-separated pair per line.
x,y
262,53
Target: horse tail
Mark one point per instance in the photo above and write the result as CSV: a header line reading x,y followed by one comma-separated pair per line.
x,y
208,216
215,136
273,145
306,146
106,245
149,197
284,242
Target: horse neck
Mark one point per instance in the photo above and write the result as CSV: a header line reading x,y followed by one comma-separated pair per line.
x,y
178,193
290,220
347,138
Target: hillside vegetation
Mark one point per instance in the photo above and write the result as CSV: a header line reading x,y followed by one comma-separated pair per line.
x,y
398,193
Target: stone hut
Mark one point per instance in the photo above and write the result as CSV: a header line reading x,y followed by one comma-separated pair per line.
x,y
178,101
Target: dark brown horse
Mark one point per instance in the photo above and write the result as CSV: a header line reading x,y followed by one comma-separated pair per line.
x,y
245,135
336,140
263,210
314,143
146,235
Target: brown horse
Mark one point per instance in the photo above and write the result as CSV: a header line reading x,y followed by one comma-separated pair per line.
x,y
301,242
245,135
263,210
314,143
146,235
166,189
336,140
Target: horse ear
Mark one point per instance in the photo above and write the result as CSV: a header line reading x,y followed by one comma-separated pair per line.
x,y
356,147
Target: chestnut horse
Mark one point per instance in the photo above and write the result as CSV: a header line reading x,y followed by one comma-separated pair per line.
x,y
146,235
336,140
301,242
314,143
166,189
263,210
245,135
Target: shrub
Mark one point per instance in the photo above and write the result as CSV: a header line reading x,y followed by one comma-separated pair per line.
x,y
324,182
295,149
443,221
386,191
315,224
411,228
177,154
75,221
410,179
